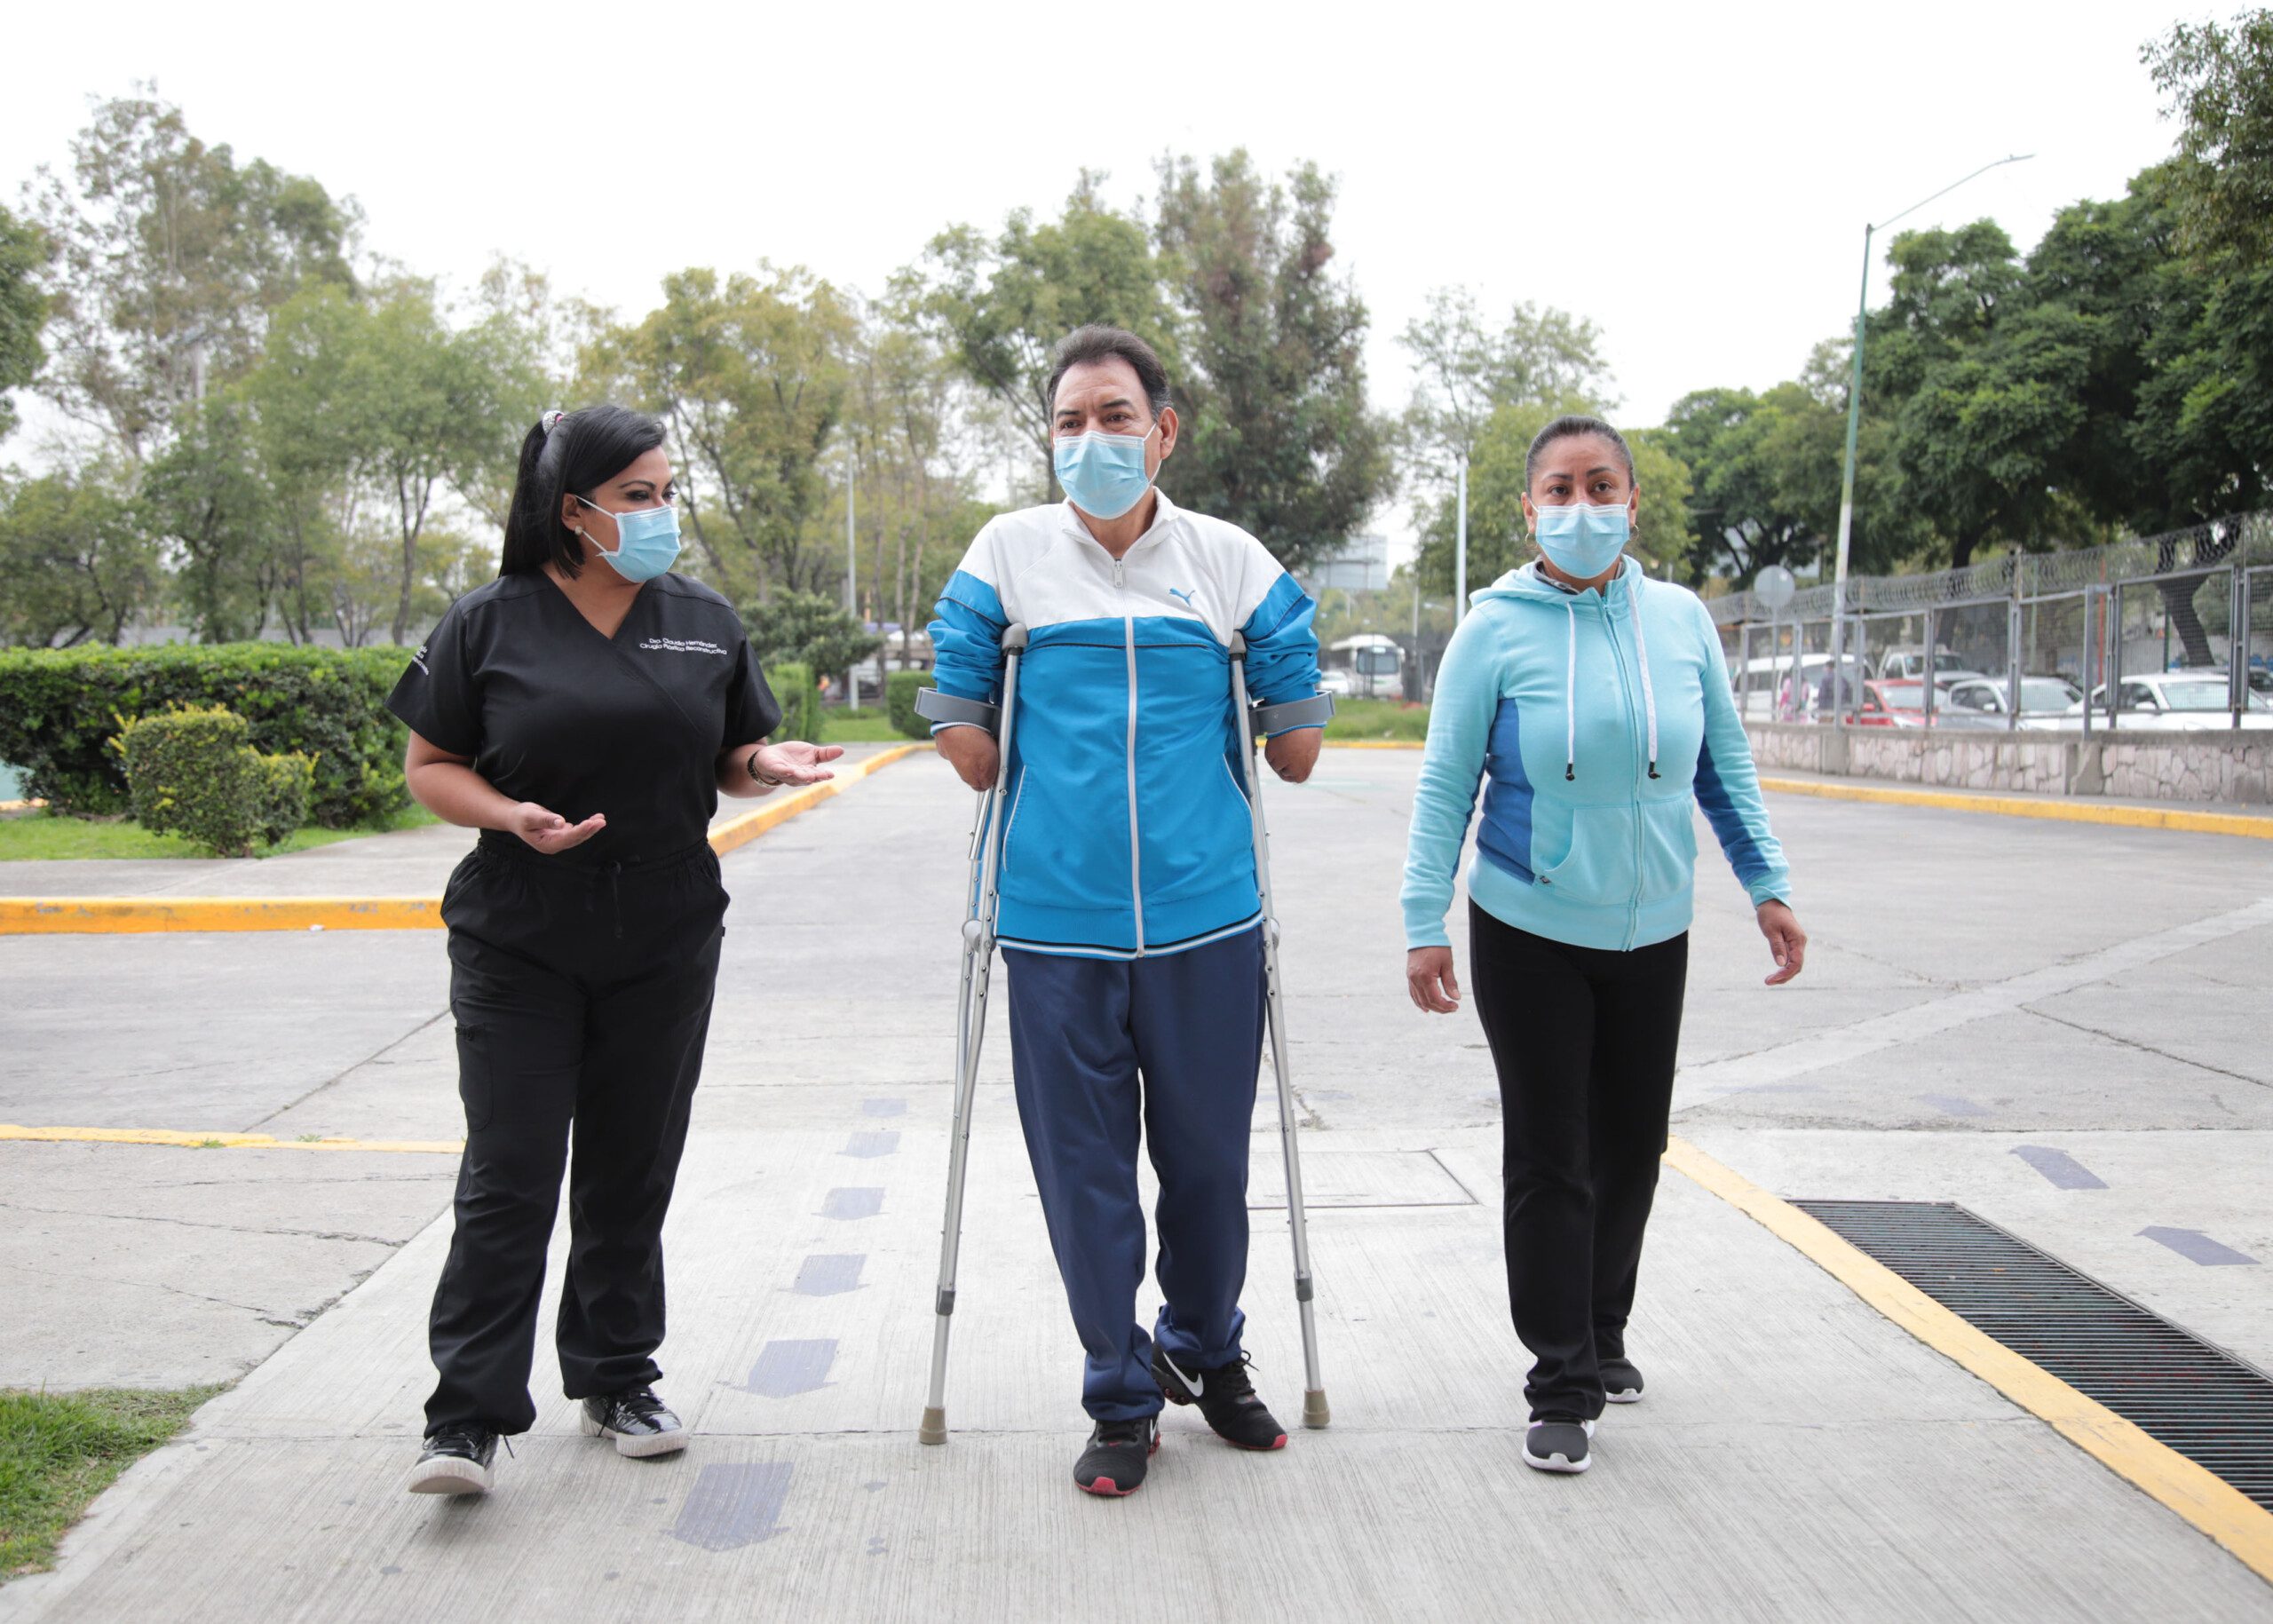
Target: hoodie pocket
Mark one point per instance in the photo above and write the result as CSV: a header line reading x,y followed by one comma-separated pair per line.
x,y
1669,848
1597,864
1063,849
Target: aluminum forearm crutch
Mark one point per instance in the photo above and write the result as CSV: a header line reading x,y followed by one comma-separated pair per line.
x,y
1293,714
970,1011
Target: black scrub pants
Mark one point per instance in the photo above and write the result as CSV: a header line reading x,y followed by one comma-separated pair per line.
x,y
582,998
1584,1041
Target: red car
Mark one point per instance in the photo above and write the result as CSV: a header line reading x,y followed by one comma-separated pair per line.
x,y
1890,703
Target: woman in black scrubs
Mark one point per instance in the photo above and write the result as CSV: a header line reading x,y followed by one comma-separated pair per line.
x,y
584,711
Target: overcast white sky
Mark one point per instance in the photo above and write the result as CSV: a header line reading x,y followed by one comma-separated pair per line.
x,y
1695,178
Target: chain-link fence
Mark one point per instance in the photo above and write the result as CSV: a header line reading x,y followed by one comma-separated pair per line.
x,y
2166,630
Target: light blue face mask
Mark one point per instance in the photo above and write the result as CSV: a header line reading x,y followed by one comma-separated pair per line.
x,y
1583,540
1104,474
646,541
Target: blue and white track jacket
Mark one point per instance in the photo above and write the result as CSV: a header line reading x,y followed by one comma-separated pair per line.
x,y
1129,833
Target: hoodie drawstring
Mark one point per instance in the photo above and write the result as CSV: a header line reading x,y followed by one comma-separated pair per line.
x,y
1642,654
1570,695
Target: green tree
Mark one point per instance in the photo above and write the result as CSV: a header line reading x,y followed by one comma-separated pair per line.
x,y
171,256
2218,82
74,561
998,306
24,255
1463,371
208,496
748,373
791,625
1276,437
1497,539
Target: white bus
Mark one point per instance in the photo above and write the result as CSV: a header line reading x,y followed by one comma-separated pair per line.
x,y
1367,666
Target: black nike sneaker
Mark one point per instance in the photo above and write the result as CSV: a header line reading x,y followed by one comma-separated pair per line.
x,y
1226,1396
1114,1464
641,1424
455,1460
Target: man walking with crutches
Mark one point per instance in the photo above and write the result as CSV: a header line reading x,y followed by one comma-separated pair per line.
x,y
1128,914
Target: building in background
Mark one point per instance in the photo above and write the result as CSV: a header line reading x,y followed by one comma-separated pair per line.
x,y
1361,564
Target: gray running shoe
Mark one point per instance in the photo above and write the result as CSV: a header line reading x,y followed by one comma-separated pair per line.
x,y
1621,1383
1555,1444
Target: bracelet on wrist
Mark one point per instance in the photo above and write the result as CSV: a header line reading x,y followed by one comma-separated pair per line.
x,y
750,766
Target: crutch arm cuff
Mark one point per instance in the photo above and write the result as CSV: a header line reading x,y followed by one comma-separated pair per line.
x,y
1289,716
945,711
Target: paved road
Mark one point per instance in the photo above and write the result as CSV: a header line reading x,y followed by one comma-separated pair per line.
x,y
1978,985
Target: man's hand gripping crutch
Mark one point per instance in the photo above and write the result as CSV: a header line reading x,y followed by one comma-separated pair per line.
x,y
1251,720
971,1007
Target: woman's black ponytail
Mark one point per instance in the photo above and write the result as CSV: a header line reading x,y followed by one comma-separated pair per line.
x,y
567,452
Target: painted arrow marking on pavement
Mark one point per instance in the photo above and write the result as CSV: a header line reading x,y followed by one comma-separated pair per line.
x,y
732,1506
855,1201
2195,1247
2064,1171
827,1274
784,1369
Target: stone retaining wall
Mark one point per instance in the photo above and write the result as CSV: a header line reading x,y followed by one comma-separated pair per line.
x,y
2138,765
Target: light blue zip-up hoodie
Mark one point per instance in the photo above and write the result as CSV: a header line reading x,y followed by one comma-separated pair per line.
x,y
1592,728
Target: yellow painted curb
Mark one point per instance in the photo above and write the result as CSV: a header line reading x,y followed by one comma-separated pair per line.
x,y
223,1141
6,807
2211,1505
750,825
2016,807
140,916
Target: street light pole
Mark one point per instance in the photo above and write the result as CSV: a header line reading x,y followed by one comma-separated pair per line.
x,y
851,600
1854,419
1460,556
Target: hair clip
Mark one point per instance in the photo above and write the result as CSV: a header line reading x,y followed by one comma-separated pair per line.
x,y
550,420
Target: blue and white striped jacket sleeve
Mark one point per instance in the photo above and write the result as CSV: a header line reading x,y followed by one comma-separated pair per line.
x,y
1281,645
967,636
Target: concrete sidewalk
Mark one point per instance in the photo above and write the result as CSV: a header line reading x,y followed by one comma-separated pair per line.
x,y
1798,1457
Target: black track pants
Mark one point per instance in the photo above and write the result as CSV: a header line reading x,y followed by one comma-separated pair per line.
x,y
583,999
1584,1039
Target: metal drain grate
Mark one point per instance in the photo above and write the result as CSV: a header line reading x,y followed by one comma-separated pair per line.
x,y
2176,1388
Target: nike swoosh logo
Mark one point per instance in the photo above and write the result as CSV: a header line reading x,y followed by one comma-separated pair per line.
x,y
1193,1383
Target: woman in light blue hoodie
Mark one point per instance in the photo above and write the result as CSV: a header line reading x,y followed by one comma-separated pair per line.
x,y
1592,704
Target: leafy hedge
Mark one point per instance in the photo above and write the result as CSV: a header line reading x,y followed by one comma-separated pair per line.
x,y
59,708
192,773
900,689
792,682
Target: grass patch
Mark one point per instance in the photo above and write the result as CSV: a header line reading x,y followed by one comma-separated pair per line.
x,y
40,836
58,1451
1376,718
870,725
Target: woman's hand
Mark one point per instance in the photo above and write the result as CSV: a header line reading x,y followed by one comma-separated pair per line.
x,y
551,832
793,761
972,752
1786,940
1429,978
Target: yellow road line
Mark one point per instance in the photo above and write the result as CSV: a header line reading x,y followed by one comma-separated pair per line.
x,y
222,1141
2208,1502
138,915
2018,806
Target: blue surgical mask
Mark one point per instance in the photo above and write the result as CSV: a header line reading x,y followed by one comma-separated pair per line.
x,y
1103,473
646,541
1583,540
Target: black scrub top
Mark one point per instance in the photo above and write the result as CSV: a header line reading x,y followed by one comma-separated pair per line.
x,y
551,711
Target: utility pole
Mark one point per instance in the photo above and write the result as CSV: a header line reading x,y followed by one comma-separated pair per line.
x,y
852,602
1855,418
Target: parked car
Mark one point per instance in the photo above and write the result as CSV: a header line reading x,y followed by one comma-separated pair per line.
x,y
2194,702
1336,682
2044,699
1903,704
1906,662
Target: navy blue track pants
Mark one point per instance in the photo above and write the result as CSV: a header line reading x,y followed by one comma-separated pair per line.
x,y
1100,1051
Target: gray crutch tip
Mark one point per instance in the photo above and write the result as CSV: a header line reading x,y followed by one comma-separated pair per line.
x,y
1315,1413
934,1429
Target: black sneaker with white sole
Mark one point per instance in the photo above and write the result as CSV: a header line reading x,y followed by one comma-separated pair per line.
x,y
641,1424
1621,1383
1558,1443
456,1461
1225,1396
1113,1463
